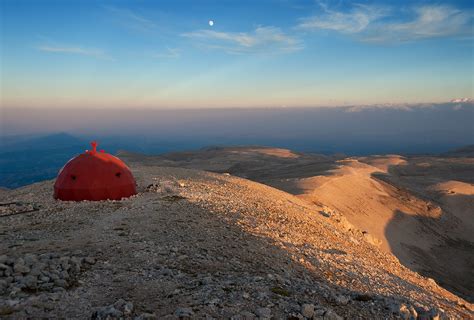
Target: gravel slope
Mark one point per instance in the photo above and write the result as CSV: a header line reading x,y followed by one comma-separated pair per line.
x,y
200,245
418,208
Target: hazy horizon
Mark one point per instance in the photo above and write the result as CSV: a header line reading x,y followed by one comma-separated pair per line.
x,y
425,128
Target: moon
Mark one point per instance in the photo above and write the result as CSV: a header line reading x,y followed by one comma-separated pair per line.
x,y
211,23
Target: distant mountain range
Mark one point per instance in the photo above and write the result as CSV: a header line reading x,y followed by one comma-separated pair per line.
x,y
461,100
467,151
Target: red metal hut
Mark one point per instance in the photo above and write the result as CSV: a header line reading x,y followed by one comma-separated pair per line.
x,y
94,176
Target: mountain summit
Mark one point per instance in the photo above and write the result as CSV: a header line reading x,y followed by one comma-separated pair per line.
x,y
197,244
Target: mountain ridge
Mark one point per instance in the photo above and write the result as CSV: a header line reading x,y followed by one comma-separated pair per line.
x,y
196,235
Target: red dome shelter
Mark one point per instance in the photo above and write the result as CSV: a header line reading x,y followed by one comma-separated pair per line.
x,y
94,176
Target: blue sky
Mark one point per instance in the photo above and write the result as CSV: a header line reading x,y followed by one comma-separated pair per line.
x,y
164,54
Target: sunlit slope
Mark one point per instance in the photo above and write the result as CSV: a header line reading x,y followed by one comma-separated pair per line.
x,y
190,237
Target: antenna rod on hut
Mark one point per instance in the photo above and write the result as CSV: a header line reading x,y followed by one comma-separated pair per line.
x,y
94,147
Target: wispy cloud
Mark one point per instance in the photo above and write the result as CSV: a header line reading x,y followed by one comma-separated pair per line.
x,y
96,53
131,19
168,53
261,40
372,23
428,22
356,20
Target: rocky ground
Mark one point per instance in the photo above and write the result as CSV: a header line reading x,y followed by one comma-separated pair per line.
x,y
418,208
194,244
